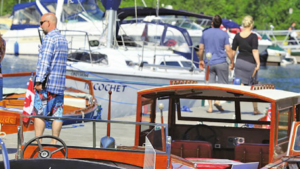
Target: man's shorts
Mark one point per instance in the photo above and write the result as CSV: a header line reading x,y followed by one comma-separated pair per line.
x,y
48,104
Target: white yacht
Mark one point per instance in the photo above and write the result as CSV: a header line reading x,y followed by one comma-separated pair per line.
x,y
124,66
23,38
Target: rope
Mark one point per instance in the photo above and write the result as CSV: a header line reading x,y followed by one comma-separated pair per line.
x,y
2,134
104,78
88,16
144,3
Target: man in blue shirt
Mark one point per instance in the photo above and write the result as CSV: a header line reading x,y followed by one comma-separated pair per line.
x,y
50,76
214,41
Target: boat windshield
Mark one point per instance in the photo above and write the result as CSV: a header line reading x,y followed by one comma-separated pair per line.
x,y
27,16
154,35
78,12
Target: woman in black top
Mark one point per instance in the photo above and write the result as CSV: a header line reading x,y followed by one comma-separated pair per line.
x,y
247,61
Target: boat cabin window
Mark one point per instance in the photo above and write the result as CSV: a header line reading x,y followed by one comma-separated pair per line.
x,y
170,63
192,26
233,111
83,56
187,64
297,139
282,134
4,27
283,124
27,16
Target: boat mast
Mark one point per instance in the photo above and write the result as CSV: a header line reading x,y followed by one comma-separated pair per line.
x,y
41,7
58,12
111,7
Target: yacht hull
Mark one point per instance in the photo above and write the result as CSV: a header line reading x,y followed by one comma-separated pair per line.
x,y
124,89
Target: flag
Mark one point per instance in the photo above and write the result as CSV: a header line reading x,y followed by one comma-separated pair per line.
x,y
144,36
29,101
268,117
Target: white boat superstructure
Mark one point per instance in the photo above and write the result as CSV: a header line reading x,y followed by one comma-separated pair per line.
x,y
23,38
127,67
194,23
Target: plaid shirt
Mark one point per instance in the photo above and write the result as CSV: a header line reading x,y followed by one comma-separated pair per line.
x,y
52,62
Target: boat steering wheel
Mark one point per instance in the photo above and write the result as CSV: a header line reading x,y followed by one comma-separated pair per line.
x,y
199,135
44,153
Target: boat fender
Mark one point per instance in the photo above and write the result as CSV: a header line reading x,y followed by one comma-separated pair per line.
x,y
16,48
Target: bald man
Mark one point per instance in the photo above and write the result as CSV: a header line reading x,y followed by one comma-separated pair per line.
x,y
50,76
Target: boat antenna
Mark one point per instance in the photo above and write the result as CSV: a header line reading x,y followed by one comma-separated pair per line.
x,y
157,8
88,15
135,8
144,3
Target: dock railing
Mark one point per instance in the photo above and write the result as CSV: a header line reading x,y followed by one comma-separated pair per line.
x,y
155,141
287,43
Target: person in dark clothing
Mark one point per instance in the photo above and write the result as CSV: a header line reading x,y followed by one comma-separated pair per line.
x,y
247,61
292,34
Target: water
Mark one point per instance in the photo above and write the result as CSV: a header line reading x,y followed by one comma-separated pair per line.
x,y
13,64
285,78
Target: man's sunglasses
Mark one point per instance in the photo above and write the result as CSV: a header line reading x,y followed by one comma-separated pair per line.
x,y
41,22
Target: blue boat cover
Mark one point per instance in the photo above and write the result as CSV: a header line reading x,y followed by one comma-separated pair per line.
x,y
21,6
27,4
111,4
146,11
229,24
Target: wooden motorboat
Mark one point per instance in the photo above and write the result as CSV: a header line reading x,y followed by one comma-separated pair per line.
x,y
77,104
195,139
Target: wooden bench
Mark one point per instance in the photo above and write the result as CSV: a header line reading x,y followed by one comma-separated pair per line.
x,y
187,148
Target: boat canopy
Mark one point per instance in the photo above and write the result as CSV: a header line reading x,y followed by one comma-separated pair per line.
x,y
27,15
146,11
165,36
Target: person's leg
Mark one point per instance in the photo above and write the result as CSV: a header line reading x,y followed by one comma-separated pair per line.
x,y
222,72
212,79
40,108
255,109
39,127
56,104
56,128
210,108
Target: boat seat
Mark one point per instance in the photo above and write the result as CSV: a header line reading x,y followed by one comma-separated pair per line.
x,y
190,148
250,152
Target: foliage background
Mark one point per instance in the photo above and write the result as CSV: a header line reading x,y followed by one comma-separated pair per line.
x,y
264,12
